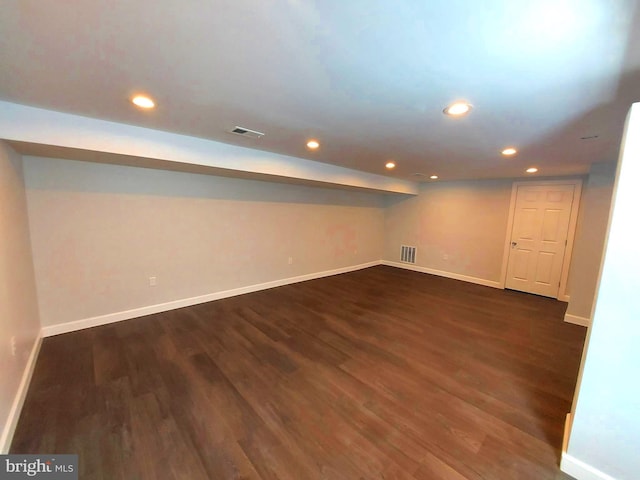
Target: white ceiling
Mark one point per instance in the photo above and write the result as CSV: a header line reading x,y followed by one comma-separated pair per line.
x,y
368,78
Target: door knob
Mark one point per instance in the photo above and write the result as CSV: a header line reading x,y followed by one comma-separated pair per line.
x,y
513,244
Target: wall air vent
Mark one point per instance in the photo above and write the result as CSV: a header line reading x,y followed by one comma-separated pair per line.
x,y
407,254
246,132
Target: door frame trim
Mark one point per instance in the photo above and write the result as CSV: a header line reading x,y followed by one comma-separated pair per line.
x,y
573,221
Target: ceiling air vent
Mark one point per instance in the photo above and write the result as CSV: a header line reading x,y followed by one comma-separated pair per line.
x,y
407,254
246,132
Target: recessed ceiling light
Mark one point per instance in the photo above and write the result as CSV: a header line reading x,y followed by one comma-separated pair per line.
x,y
433,177
532,170
143,101
457,109
390,165
313,144
509,151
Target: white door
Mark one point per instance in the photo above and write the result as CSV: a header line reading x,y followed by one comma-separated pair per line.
x,y
539,238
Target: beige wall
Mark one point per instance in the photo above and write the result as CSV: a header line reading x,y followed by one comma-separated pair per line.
x,y
460,228
457,227
18,303
590,237
100,231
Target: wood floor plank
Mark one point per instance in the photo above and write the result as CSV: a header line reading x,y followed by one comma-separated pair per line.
x,y
381,374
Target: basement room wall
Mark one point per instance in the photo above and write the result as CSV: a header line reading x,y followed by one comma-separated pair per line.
x,y
18,303
590,236
99,232
458,227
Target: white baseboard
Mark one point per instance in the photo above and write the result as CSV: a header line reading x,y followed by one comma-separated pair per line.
x,y
51,330
442,273
580,470
576,320
18,400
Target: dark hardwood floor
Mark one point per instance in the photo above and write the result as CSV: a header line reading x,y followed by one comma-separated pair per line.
x,y
377,374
